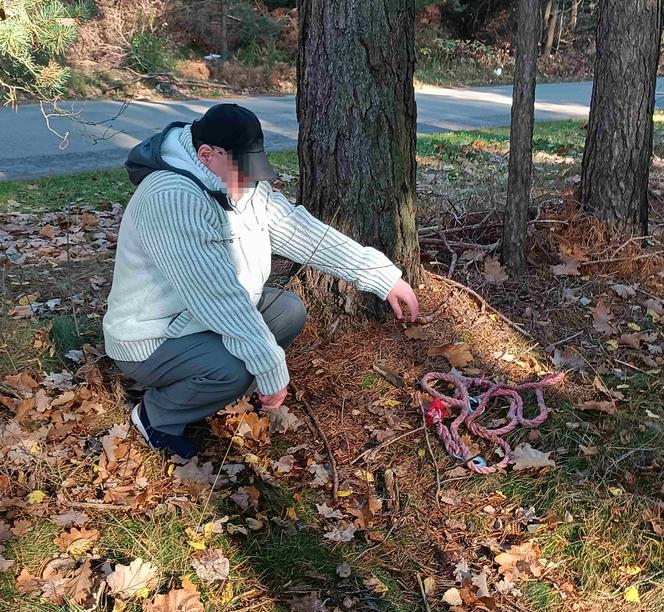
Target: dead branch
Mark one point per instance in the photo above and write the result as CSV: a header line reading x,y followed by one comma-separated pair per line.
x,y
382,445
299,396
484,303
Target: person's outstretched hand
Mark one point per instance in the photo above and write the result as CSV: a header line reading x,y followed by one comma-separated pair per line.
x,y
403,292
272,402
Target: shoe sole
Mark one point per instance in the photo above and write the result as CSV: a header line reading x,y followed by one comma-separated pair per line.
x,y
136,420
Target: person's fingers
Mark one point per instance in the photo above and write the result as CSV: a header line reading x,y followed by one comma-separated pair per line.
x,y
394,303
413,306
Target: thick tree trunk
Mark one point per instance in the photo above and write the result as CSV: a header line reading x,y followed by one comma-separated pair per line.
x,y
521,139
551,29
356,144
616,160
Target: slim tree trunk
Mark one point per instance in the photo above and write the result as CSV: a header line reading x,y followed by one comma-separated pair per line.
x,y
521,139
616,159
574,16
356,143
223,43
551,30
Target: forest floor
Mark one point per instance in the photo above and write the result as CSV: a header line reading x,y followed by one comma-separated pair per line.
x,y
93,520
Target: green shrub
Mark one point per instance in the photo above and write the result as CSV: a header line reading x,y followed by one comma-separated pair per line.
x,y
253,28
150,53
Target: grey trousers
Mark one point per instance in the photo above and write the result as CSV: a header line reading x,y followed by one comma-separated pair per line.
x,y
192,377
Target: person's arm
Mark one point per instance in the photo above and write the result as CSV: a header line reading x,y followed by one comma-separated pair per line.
x,y
178,233
299,236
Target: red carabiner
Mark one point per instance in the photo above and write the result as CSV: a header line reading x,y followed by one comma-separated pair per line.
x,y
436,408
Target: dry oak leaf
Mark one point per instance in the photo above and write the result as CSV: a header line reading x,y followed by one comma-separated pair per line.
x,y
211,565
281,420
493,271
79,585
177,600
569,268
521,561
343,532
72,517
21,382
76,541
252,426
418,333
127,581
27,583
5,564
602,318
525,457
457,353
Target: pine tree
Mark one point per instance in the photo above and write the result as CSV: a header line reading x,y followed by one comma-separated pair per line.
x,y
33,36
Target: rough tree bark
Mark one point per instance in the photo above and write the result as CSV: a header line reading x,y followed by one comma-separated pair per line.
x,y
616,159
521,139
356,143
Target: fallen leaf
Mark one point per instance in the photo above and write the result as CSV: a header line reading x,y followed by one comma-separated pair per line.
x,y
607,407
329,513
570,268
631,340
211,565
284,465
282,420
374,584
176,600
126,581
654,309
452,597
343,532
570,359
343,570
27,583
632,595
5,564
525,457
493,271
78,586
76,541
456,353
624,291
480,581
429,585
36,497
419,333
602,318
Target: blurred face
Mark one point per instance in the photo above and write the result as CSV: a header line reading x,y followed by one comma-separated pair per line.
x,y
221,163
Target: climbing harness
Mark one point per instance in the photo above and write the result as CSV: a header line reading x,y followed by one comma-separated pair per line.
x,y
471,408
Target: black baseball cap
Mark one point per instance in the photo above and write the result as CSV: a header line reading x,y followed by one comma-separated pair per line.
x,y
238,130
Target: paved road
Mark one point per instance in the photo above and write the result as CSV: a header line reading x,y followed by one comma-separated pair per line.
x,y
28,149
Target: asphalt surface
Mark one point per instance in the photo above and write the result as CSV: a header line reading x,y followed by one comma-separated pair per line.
x,y
104,131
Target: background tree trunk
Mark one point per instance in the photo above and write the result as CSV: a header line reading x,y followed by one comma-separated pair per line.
x,y
521,139
356,144
551,29
574,16
223,43
616,159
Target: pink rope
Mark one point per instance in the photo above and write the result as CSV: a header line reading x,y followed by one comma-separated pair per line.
x,y
469,415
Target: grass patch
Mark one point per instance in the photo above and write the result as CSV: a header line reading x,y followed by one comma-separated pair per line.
x,y
96,189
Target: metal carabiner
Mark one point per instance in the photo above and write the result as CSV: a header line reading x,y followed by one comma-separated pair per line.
x,y
473,401
479,461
